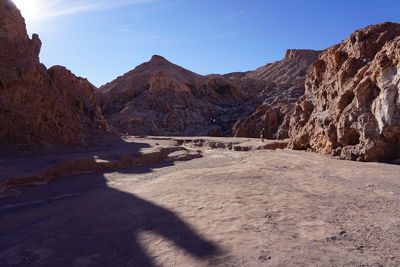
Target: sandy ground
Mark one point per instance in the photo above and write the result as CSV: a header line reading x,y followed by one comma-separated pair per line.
x,y
228,208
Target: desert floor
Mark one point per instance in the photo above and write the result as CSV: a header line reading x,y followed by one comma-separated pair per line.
x,y
217,207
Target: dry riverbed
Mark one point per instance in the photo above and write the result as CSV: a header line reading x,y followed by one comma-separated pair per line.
x,y
202,204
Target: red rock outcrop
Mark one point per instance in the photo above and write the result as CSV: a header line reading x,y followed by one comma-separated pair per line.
x,y
291,70
273,116
285,80
161,98
351,107
40,106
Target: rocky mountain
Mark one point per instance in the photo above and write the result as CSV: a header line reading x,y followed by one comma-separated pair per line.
x,y
351,106
161,98
285,85
343,101
40,106
290,70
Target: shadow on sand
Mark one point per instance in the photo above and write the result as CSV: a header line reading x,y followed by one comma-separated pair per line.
x,y
80,221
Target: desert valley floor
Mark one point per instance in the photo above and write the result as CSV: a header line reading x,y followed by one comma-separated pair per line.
x,y
198,204
121,174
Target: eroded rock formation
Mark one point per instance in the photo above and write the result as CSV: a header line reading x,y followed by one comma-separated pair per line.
x,y
40,106
291,70
161,98
273,116
351,107
285,86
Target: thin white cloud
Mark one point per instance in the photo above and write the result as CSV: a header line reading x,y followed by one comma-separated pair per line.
x,y
128,28
56,8
231,16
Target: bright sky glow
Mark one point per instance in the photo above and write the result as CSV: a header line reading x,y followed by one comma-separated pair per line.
x,y
102,39
29,8
34,10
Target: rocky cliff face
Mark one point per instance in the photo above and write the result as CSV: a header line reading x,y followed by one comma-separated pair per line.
x,y
291,70
273,116
161,98
351,107
40,106
285,86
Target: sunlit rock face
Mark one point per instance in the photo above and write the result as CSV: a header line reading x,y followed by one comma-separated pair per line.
x,y
161,98
40,106
285,80
351,106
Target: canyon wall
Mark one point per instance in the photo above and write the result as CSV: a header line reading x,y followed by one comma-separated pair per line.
x,y
351,105
40,106
285,86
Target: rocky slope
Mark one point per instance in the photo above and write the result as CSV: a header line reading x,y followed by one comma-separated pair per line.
x,y
273,116
161,98
40,106
351,107
290,70
285,86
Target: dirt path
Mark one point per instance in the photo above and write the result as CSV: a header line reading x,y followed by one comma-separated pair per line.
x,y
228,208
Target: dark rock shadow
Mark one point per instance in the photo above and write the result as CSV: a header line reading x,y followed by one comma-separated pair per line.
x,y
80,221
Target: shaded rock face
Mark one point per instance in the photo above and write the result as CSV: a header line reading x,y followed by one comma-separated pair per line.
x,y
285,85
40,106
273,116
161,98
351,107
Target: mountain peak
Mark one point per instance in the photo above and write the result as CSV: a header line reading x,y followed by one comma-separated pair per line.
x,y
298,53
158,59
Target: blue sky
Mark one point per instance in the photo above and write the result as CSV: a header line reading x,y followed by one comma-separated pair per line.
x,y
101,40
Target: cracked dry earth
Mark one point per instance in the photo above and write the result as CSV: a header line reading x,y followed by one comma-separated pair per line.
x,y
228,208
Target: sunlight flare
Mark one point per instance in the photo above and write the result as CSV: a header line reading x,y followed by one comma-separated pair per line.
x,y
28,8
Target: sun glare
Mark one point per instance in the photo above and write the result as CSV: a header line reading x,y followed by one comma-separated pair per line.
x,y
29,8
